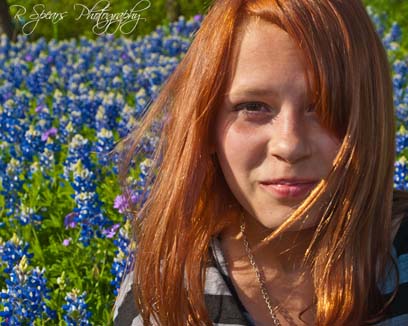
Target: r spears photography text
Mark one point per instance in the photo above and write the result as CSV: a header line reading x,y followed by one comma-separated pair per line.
x,y
104,20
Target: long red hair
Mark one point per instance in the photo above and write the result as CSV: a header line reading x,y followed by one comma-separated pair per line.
x,y
189,201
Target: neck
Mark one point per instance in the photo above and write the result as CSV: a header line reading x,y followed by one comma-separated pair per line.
x,y
283,254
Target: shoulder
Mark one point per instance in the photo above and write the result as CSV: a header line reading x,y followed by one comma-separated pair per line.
x,y
397,312
400,219
222,303
401,238
400,203
125,312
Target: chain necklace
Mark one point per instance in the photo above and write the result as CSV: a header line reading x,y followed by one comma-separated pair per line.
x,y
259,276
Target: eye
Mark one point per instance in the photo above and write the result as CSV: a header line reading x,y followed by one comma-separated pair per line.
x,y
311,108
253,108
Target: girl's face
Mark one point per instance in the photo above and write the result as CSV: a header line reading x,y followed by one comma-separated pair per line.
x,y
266,128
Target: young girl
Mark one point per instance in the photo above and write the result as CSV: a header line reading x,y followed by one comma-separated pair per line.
x,y
273,200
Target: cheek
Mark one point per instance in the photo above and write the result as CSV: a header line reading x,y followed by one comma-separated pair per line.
x,y
329,147
238,154
237,147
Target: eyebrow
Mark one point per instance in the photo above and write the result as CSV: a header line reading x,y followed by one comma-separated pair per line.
x,y
253,92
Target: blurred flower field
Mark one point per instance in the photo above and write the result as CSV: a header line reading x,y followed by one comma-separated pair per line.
x,y
63,105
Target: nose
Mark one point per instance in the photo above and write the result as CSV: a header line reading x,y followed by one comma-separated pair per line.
x,y
290,141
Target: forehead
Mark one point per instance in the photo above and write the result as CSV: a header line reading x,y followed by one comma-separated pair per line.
x,y
265,56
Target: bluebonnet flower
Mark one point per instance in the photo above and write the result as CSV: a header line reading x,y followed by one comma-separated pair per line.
x,y
400,69
124,256
37,79
145,166
12,122
395,32
88,206
127,121
112,103
101,119
104,145
67,128
6,91
76,310
32,143
47,157
34,168
400,175
173,46
79,149
377,20
12,183
183,28
82,111
390,40
141,100
117,83
23,299
124,259
401,140
43,119
129,79
148,144
12,251
16,72
28,215
59,103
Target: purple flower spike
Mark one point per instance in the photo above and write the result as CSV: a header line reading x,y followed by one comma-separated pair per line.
x,y
121,204
51,132
28,57
198,18
69,220
110,232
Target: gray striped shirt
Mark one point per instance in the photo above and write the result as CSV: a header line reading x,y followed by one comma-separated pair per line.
x,y
225,308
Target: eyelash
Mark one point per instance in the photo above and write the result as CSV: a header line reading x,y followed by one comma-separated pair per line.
x,y
243,107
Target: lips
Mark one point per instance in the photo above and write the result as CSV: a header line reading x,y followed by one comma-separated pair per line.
x,y
290,181
284,188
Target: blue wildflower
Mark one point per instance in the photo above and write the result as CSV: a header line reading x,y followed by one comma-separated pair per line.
x,y
12,251
400,175
124,256
76,312
23,301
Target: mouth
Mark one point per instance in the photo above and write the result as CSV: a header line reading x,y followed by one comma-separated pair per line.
x,y
288,190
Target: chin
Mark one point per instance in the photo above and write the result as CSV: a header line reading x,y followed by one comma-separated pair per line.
x,y
275,223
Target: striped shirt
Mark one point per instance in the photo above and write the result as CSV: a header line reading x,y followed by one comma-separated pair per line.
x,y
225,308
